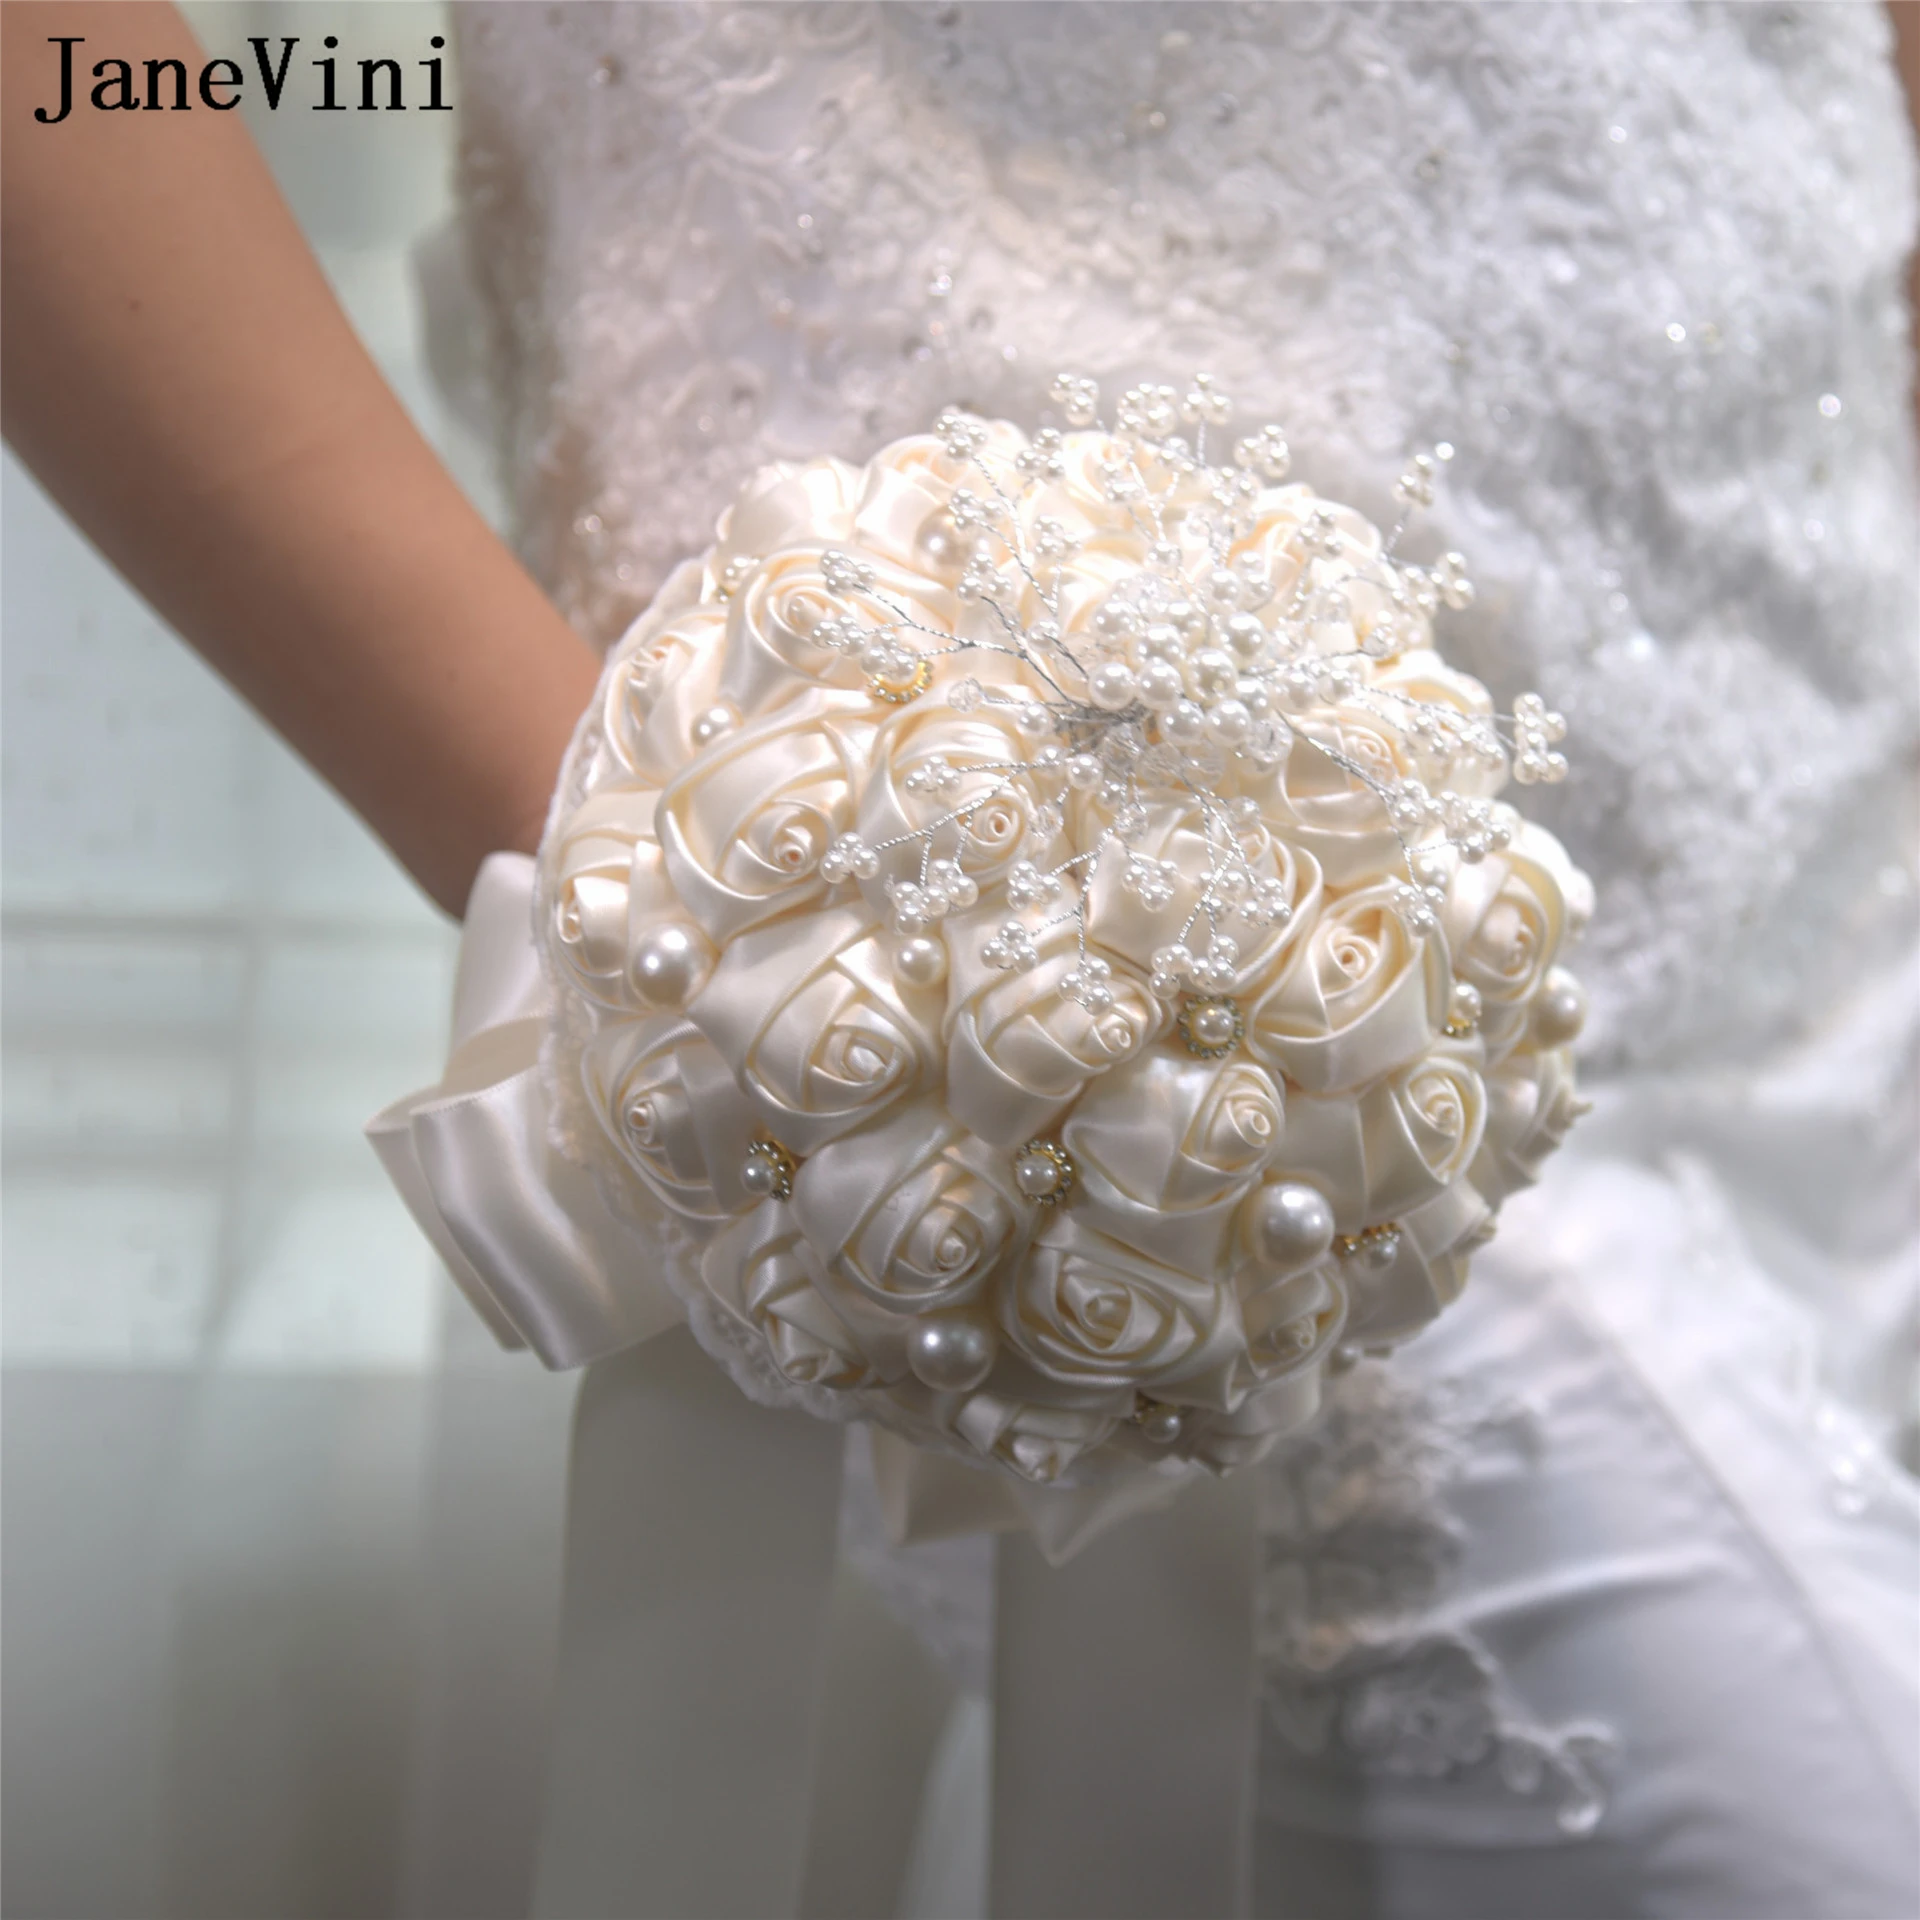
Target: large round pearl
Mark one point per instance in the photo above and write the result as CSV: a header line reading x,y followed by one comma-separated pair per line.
x,y
1037,1174
1111,686
1229,721
1212,1025
1559,1009
1161,685
921,962
669,965
1292,1225
949,1353
759,1175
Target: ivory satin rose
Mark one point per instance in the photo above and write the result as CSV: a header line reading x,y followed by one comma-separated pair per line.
x,y
664,678
595,861
1531,1104
1168,1145
1039,1443
1391,1146
1122,925
1326,808
742,830
760,1271
1019,1053
668,1102
1360,997
819,1034
915,1213
1090,1311
1505,921
983,749
773,614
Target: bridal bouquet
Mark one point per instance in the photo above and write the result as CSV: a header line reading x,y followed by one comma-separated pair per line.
x,y
1039,938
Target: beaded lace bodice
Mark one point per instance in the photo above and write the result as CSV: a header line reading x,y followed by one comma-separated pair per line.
x,y
1640,264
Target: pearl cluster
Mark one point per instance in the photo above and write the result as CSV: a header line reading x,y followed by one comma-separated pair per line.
x,y
1186,679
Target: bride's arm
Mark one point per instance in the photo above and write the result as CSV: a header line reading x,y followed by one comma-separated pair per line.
x,y
179,377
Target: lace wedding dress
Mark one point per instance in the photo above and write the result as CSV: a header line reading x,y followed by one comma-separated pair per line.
x,y
1598,1599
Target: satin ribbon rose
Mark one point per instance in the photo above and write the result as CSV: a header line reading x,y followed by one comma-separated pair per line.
x,y
1081,499
1192,841
661,688
1360,997
742,829
1167,1145
818,1032
1531,1104
907,791
1292,1327
1320,798
784,503
1421,675
1293,1322
1040,1443
758,1272
1505,921
775,612
1018,1050
1393,1145
1089,1311
667,1102
914,1213
903,514
1428,1269
610,887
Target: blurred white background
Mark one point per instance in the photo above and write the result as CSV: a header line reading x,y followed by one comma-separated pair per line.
x,y
281,1531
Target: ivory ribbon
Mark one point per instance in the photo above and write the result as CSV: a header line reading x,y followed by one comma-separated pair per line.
x,y
522,1230
700,1556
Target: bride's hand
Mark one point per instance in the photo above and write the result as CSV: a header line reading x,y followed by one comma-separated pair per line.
x,y
179,377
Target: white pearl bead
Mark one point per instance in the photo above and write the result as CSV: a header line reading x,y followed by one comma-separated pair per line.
x,y
1111,686
921,962
1188,721
1212,673
1229,722
1245,635
670,965
1036,1174
759,1175
1162,1425
1161,685
1212,1026
712,724
1560,1009
949,1353
1380,1250
1292,1225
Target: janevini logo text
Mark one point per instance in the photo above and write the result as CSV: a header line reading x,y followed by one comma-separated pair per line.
x,y
171,86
